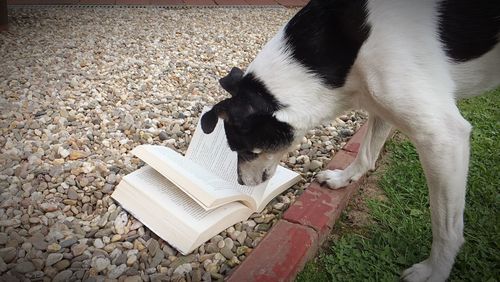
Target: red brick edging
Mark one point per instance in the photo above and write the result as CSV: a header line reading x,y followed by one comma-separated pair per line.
x,y
296,237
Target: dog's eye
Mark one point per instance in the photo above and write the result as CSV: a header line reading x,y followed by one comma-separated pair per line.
x,y
257,151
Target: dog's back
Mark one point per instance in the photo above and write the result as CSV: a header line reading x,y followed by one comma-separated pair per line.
x,y
470,31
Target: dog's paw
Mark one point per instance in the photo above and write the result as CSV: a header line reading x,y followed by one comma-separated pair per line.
x,y
422,271
334,179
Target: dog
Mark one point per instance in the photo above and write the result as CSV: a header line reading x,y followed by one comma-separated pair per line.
x,y
405,62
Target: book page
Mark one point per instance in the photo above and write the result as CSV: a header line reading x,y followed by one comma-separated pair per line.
x,y
212,152
170,213
199,183
164,191
282,180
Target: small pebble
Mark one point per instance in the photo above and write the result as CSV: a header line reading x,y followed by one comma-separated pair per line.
x,y
53,258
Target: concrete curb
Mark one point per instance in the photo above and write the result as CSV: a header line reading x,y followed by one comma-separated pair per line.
x,y
297,237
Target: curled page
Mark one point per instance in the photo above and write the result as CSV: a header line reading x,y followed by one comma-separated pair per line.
x,y
212,152
192,178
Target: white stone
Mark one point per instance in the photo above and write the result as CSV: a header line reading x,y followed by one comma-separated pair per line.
x,y
120,222
183,269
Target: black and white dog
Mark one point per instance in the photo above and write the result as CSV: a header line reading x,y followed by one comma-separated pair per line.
x,y
406,62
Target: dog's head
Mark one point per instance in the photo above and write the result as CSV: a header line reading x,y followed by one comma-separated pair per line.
x,y
251,128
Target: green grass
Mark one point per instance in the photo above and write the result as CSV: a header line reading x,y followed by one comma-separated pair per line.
x,y
401,234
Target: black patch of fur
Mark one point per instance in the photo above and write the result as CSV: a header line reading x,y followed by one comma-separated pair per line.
x,y
250,122
252,97
468,28
209,121
231,82
248,119
326,35
261,131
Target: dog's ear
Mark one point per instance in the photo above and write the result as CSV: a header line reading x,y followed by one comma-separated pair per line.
x,y
231,82
209,119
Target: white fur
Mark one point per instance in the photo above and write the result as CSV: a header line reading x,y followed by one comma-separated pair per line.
x,y
294,86
475,76
403,80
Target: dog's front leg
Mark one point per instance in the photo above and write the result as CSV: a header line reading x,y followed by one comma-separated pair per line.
x,y
444,153
377,132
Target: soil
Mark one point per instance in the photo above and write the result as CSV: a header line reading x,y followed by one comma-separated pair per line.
x,y
356,217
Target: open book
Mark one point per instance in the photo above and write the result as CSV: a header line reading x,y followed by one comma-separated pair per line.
x,y
186,200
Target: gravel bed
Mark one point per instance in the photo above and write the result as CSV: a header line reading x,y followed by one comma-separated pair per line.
x,y
82,87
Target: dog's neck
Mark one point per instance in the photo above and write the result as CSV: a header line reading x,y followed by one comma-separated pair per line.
x,y
307,101
308,65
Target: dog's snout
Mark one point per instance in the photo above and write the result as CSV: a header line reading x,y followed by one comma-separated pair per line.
x,y
249,180
240,181
256,171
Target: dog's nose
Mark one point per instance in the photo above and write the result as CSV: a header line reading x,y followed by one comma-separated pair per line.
x,y
265,175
